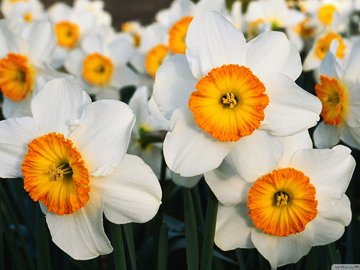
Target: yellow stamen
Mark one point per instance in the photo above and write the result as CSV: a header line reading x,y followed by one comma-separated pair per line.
x,y
282,202
335,100
154,59
323,44
67,33
17,77
97,69
229,102
177,35
55,174
28,17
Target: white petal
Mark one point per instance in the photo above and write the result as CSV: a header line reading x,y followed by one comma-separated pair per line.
x,y
74,62
326,136
102,135
255,155
299,141
124,76
352,72
208,5
17,109
233,227
351,136
81,234
138,104
329,170
273,52
213,41
155,113
41,40
353,118
121,50
93,43
330,66
131,193
329,226
15,134
311,61
227,186
188,182
173,85
188,150
60,101
107,93
291,109
281,250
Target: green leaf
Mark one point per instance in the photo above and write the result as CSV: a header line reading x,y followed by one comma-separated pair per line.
x,y
129,237
162,253
42,242
117,241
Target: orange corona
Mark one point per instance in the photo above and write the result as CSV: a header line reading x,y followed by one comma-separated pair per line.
x,y
177,35
97,69
229,102
67,33
55,174
282,202
323,44
154,59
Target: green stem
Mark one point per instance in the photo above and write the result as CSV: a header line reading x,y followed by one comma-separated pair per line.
x,y
119,252
162,248
129,237
1,238
42,242
190,232
240,259
209,232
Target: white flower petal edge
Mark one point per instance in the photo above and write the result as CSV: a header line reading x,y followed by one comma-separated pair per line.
x,y
188,150
15,134
50,113
273,52
81,234
95,127
173,85
255,155
212,41
326,136
131,193
290,111
233,227
329,170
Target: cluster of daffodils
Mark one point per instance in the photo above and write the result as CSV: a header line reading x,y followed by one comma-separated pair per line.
x,y
218,85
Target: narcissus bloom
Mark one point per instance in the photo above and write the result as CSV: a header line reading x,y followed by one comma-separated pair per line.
x,y
72,156
101,64
23,64
338,90
224,91
284,202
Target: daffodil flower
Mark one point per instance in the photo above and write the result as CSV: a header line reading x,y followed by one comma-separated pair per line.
x,y
338,90
101,64
7,6
282,204
227,95
72,156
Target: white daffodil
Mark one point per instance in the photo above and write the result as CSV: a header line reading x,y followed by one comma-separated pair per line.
x,y
338,90
266,15
224,92
72,156
70,25
24,12
8,5
96,7
23,64
322,45
101,64
282,204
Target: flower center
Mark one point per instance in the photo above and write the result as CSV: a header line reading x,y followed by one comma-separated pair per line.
x,y
131,28
334,98
229,102
154,58
55,174
282,202
17,76
177,35
304,29
28,17
67,34
323,44
97,69
326,14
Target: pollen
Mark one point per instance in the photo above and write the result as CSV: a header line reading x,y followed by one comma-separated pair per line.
x,y
17,77
282,202
67,33
334,97
323,44
154,59
229,102
326,14
55,174
97,69
177,35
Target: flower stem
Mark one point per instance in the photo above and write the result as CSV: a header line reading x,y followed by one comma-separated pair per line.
x,y
119,252
42,242
129,237
162,253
